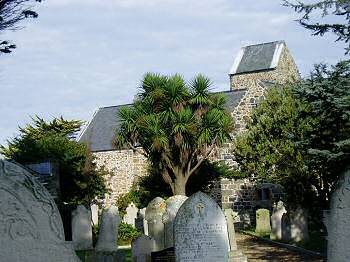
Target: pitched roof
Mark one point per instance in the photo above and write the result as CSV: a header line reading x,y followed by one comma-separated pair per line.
x,y
259,57
99,133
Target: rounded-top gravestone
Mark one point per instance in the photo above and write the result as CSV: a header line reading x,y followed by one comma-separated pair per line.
x,y
31,228
154,214
200,231
172,206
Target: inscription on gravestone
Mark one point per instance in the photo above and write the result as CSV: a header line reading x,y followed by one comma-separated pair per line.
x,y
200,231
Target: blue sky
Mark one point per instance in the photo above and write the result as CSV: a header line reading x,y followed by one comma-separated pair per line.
x,y
83,54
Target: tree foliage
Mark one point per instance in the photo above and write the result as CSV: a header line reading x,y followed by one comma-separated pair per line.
x,y
12,12
300,136
338,11
177,125
55,141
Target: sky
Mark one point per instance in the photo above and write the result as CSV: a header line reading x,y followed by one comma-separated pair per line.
x,y
83,54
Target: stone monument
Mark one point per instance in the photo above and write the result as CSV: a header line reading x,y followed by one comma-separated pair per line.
x,y
263,221
154,215
172,206
131,214
108,236
141,222
337,221
235,255
81,228
142,248
200,231
276,220
31,228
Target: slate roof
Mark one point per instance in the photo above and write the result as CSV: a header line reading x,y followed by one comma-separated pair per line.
x,y
259,57
99,132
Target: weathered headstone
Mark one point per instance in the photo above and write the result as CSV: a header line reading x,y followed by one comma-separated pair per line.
x,y
31,228
81,228
295,225
245,219
154,215
276,220
108,236
263,221
141,222
94,214
235,255
200,231
131,214
172,206
337,221
142,248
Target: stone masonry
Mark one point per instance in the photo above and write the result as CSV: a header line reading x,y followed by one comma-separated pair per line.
x,y
126,165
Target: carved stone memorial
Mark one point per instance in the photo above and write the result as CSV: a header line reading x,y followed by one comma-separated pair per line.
x,y
337,221
108,236
276,220
131,214
200,231
81,228
94,214
154,215
31,228
263,221
172,206
142,248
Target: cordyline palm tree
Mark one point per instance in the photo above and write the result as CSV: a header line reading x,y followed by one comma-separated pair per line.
x,y
175,125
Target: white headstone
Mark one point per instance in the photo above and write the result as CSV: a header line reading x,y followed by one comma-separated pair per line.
x,y
200,231
337,221
154,215
131,214
276,220
142,248
94,214
108,236
31,228
263,221
81,228
172,206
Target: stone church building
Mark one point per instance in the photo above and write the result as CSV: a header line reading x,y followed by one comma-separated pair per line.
x,y
255,69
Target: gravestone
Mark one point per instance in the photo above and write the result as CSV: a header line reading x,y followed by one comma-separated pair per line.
x,y
142,248
94,214
245,219
131,214
286,231
235,255
108,236
276,220
295,225
141,222
81,228
172,206
200,231
154,215
337,221
31,228
263,221
165,255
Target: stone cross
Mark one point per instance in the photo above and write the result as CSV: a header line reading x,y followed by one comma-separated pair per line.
x,y
81,228
200,231
31,228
